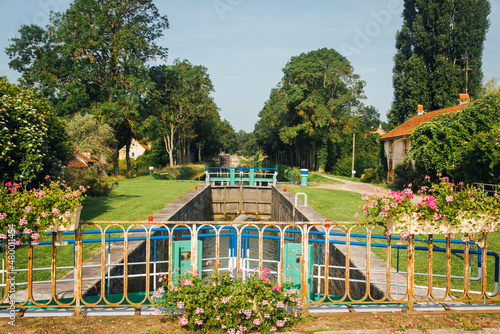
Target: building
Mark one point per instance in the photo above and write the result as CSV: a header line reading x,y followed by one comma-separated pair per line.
x,y
397,141
136,149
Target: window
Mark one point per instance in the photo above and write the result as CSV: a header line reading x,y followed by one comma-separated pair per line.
x,y
132,155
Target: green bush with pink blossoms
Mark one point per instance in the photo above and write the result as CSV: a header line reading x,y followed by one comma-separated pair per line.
x,y
24,212
230,305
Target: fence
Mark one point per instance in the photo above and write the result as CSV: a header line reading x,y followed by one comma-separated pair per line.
x,y
330,264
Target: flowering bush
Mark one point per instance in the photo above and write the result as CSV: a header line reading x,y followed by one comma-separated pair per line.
x,y
221,302
441,203
25,212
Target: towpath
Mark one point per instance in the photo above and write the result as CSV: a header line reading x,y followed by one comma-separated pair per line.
x,y
358,187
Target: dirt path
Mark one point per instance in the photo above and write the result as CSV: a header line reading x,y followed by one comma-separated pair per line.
x,y
358,187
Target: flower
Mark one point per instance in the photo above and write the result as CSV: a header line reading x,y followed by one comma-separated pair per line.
x,y
441,203
276,287
183,321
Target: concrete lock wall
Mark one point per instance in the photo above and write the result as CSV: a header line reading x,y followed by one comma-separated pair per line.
x,y
224,203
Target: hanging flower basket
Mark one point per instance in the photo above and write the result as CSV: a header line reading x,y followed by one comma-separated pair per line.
x,y
71,223
475,223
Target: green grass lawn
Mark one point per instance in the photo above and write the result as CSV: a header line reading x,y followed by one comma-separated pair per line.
x,y
340,206
336,205
133,200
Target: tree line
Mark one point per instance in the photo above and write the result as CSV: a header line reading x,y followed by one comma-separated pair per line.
x,y
95,59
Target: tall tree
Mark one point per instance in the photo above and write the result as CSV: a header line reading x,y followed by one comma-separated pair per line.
x,y
180,99
93,57
321,91
439,54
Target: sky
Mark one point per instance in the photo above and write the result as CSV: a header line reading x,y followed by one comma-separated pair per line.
x,y
244,44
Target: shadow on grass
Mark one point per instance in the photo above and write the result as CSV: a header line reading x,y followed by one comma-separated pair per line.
x,y
95,206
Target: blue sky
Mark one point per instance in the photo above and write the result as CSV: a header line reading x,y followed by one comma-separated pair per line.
x,y
246,43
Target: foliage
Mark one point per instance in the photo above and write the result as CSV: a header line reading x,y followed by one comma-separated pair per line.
x,y
429,65
24,212
182,111
33,141
92,58
311,116
404,175
231,304
442,202
463,145
88,135
97,185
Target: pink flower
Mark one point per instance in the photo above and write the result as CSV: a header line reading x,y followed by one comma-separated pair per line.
x,y
47,177
273,329
356,215
199,322
27,209
276,287
67,214
180,305
3,215
280,305
465,239
231,331
183,321
267,315
56,211
35,242
27,231
199,310
427,177
449,198
44,214
209,263
225,300
280,323
257,322
157,312
265,271
3,236
8,184
23,221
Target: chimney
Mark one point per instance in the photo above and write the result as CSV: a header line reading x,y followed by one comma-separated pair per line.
x,y
420,109
463,99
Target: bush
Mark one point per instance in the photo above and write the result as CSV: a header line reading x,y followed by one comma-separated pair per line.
x,y
404,174
221,302
370,174
98,185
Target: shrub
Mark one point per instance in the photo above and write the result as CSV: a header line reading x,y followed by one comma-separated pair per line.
x,y
404,174
222,302
97,185
370,174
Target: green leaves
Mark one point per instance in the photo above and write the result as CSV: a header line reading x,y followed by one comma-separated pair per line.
x,y
432,46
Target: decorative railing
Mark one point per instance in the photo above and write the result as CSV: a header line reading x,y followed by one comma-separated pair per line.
x,y
339,264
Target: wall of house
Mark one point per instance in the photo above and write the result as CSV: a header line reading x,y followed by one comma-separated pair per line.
x,y
396,151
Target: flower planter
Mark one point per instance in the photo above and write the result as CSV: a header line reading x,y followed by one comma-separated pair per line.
x,y
72,225
413,225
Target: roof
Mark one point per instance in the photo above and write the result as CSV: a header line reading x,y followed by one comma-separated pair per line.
x,y
407,127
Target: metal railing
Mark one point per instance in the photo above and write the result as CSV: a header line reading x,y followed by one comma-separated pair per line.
x,y
330,265
251,176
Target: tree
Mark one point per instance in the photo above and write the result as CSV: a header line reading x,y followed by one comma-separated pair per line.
x,y
310,116
92,58
180,99
439,54
33,140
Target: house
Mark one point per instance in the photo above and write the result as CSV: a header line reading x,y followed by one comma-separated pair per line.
x,y
397,141
136,149
81,160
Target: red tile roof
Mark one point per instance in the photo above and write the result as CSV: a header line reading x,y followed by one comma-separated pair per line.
x,y
407,127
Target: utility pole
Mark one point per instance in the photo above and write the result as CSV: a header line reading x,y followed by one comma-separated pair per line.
x,y
466,69
353,149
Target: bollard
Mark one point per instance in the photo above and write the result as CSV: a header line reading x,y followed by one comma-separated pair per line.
x,y
327,221
196,188
284,190
150,218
